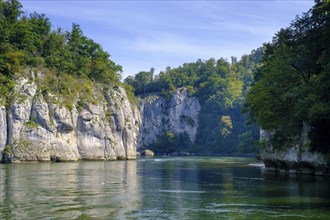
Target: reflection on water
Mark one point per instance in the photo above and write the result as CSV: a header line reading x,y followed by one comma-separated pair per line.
x,y
159,188
68,190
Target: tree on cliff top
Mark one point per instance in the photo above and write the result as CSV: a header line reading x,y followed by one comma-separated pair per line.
x,y
28,40
220,86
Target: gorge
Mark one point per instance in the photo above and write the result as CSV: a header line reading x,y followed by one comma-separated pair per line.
x,y
35,128
62,98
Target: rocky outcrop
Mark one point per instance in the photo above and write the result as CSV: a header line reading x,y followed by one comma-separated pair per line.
x,y
3,128
37,129
148,153
297,159
179,114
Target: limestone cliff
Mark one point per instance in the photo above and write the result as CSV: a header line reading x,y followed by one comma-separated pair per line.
x,y
36,129
179,114
3,127
296,159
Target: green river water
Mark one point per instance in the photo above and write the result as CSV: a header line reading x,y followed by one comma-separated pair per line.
x,y
160,188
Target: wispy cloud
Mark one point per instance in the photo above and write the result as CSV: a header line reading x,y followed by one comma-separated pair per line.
x,y
144,34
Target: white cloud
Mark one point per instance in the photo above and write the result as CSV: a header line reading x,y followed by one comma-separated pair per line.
x,y
144,34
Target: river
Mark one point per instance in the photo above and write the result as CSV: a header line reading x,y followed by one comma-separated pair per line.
x,y
159,188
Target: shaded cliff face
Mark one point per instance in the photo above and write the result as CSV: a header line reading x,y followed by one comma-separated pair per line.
x,y
296,159
35,129
178,115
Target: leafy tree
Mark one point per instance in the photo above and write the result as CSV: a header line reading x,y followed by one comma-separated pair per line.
x,y
170,142
226,125
292,83
220,87
29,41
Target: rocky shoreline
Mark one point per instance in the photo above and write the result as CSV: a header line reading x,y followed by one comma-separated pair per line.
x,y
37,128
297,159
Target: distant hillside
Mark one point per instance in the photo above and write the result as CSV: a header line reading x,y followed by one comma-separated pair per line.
x,y
220,86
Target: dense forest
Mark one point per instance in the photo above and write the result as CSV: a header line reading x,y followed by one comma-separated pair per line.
x,y
286,85
220,86
73,62
280,86
292,86
73,65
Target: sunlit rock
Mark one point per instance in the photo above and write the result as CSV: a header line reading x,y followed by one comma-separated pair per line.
x,y
37,129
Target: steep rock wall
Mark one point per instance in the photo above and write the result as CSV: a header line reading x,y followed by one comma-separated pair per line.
x,y
40,130
179,114
296,159
3,128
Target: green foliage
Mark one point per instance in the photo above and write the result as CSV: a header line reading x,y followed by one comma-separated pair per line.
x,y
71,57
225,125
71,90
80,104
169,143
248,143
108,115
292,85
130,94
142,82
220,87
188,120
191,91
169,136
8,149
31,124
6,86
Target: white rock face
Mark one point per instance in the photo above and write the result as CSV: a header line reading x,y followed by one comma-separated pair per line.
x,y
3,128
179,115
296,159
40,131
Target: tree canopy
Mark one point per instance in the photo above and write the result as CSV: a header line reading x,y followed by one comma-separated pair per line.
x,y
292,85
220,86
30,40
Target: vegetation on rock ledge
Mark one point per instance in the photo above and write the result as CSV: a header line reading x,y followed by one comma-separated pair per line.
x,y
220,86
71,59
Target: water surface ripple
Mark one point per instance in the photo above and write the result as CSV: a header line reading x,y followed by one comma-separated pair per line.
x,y
160,188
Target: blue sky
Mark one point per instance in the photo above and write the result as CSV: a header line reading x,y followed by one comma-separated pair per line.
x,y
144,34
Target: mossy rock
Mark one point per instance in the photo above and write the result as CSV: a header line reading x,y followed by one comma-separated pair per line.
x,y
148,153
7,156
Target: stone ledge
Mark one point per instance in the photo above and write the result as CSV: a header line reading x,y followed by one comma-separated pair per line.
x,y
296,168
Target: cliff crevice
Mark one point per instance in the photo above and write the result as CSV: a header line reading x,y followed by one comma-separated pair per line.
x,y
179,115
36,129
